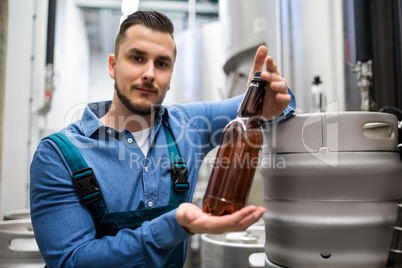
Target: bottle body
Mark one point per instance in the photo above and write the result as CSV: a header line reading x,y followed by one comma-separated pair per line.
x,y
238,155
233,171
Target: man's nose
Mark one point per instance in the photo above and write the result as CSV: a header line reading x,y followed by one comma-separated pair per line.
x,y
149,72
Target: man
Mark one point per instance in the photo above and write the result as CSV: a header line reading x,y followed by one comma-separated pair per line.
x,y
125,143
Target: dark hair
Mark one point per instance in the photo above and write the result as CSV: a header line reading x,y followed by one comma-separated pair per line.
x,y
151,19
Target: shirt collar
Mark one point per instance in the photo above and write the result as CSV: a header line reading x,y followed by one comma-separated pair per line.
x,y
90,120
93,112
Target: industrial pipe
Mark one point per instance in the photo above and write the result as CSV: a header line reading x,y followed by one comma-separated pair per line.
x,y
364,50
49,83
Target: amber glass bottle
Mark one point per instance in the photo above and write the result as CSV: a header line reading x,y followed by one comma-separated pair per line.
x,y
238,155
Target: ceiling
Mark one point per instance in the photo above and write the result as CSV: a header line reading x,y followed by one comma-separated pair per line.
x,y
202,6
102,17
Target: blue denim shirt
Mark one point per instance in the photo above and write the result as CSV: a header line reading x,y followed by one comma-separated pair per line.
x,y
64,228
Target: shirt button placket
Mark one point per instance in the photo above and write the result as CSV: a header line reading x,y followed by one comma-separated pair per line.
x,y
150,203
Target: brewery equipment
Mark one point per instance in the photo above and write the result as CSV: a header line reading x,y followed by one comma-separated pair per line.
x,y
332,182
18,248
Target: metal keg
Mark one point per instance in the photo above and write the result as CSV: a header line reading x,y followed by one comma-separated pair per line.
x,y
234,249
18,247
18,214
332,182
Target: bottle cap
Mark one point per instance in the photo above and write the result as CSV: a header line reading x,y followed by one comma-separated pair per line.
x,y
257,77
317,80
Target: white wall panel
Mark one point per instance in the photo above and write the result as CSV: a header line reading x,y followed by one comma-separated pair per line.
x,y
25,84
25,53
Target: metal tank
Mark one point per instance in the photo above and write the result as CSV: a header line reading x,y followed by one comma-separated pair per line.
x,y
234,249
18,248
245,26
331,186
18,214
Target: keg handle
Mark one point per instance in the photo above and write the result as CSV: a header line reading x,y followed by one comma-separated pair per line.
x,y
257,259
377,126
369,120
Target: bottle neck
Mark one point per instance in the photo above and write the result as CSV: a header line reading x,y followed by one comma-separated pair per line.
x,y
253,101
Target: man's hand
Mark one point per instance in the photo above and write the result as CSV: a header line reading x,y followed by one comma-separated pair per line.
x,y
193,220
276,94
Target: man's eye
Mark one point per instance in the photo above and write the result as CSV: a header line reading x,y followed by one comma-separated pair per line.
x,y
136,58
162,64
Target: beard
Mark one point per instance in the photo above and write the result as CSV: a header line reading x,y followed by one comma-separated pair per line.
x,y
137,108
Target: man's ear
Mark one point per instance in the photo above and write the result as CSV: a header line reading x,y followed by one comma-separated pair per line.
x,y
112,64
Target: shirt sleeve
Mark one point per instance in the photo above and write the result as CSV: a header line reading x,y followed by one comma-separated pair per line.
x,y
65,230
216,115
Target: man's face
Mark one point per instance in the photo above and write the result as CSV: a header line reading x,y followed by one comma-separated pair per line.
x,y
143,69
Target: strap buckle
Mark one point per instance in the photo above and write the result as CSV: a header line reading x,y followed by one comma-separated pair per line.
x,y
180,176
88,188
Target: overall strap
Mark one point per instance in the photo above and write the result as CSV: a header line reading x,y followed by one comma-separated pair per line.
x,y
91,195
84,177
88,188
178,168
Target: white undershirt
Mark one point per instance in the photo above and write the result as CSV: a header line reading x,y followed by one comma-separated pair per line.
x,y
142,139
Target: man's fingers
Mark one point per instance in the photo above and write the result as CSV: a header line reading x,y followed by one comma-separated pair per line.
x,y
279,86
245,217
231,222
276,82
271,65
251,218
271,77
243,213
283,98
193,220
234,219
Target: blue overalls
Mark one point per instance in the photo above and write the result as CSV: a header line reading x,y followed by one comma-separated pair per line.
x,y
109,223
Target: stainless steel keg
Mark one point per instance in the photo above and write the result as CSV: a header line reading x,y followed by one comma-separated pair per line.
x,y
18,247
18,214
331,186
234,249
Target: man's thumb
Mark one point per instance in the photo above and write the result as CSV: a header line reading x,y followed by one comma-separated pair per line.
x,y
184,214
259,59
